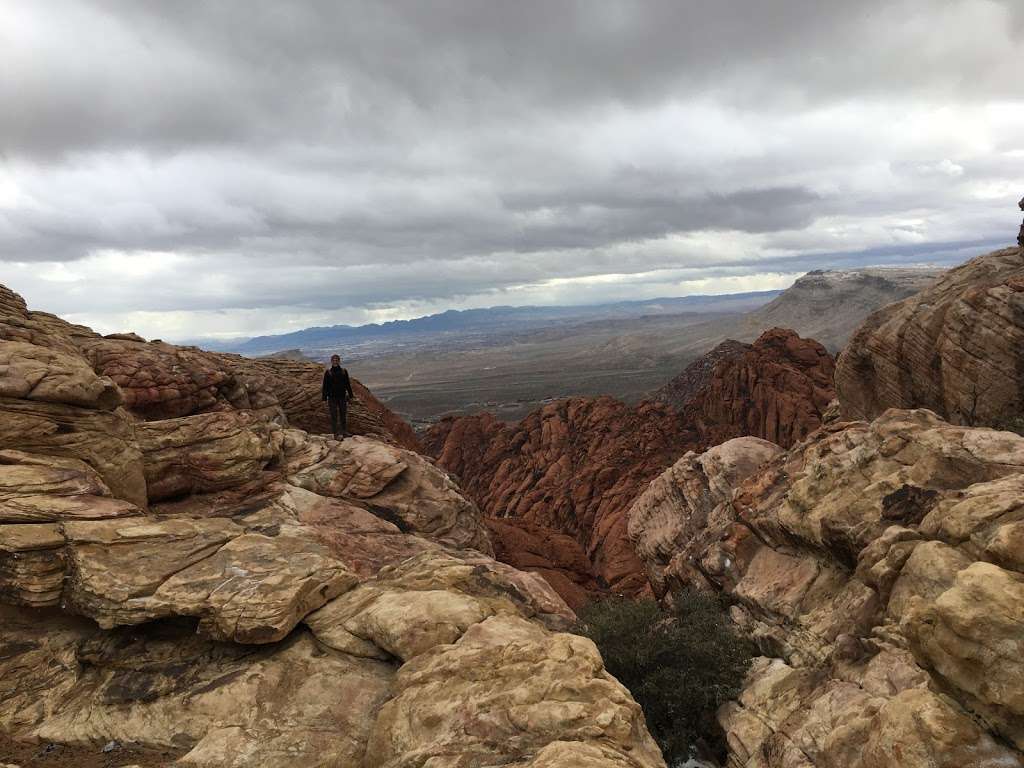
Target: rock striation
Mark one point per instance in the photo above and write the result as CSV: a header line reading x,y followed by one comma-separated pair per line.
x,y
571,469
956,348
228,590
879,567
561,481
696,376
777,389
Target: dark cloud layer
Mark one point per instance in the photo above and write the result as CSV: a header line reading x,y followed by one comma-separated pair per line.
x,y
281,162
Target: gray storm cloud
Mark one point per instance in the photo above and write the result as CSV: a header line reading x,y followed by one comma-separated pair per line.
x,y
340,159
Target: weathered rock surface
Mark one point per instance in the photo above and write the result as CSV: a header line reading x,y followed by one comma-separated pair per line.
x,y
677,505
879,564
229,591
777,390
557,557
162,381
695,377
956,348
572,467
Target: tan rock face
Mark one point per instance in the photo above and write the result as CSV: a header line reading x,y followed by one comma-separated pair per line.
x,y
956,348
860,559
674,510
493,672
208,452
234,592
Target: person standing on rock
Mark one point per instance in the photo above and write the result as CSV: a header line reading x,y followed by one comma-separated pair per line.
x,y
337,391
1020,235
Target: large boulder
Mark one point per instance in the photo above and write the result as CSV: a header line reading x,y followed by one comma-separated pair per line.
x,y
956,348
669,517
878,568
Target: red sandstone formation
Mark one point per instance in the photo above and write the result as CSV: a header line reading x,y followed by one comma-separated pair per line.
x,y
162,381
777,390
697,374
556,556
572,467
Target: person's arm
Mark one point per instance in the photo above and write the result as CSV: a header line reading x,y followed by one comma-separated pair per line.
x,y
326,388
348,386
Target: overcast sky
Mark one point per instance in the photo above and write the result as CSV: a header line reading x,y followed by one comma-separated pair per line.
x,y
189,169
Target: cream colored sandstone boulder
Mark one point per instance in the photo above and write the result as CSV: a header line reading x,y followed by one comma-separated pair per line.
x,y
207,452
676,505
506,688
879,562
400,485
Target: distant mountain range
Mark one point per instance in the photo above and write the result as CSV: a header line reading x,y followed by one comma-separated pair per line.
x,y
358,340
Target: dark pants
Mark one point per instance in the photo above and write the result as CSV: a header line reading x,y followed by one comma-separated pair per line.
x,y
339,415
1020,237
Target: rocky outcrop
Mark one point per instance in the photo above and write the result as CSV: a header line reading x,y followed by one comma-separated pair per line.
x,y
696,376
677,506
571,468
956,348
224,590
558,557
879,568
162,381
777,390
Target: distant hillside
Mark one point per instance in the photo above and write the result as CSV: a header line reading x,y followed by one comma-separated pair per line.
x,y
828,305
474,323
509,374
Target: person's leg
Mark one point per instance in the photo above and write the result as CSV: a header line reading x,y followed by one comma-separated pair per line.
x,y
343,417
333,406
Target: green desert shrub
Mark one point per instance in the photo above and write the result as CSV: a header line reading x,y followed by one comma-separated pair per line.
x,y
679,665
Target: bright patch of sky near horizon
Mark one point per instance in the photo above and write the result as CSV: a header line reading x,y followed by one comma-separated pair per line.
x,y
215,169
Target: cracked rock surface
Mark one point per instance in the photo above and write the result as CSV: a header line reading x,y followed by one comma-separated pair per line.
x,y
183,570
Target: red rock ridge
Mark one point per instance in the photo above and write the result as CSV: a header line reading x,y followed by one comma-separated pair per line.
x,y
777,390
573,468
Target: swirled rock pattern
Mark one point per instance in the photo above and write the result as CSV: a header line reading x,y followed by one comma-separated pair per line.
x,y
956,348
226,590
879,567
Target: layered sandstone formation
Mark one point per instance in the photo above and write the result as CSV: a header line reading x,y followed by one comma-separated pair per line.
x,y
231,591
162,381
572,468
956,348
695,377
569,471
880,568
777,390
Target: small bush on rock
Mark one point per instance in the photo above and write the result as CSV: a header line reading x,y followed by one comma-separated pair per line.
x,y
680,666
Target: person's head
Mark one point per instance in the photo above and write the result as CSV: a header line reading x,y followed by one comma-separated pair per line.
x,y
335,361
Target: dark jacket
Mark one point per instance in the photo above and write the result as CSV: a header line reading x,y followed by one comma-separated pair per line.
x,y
337,384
